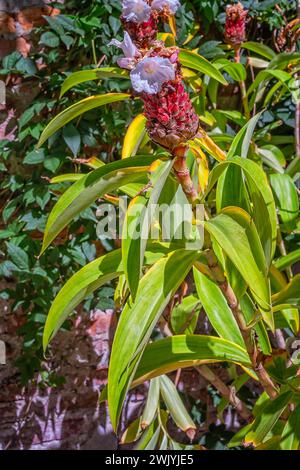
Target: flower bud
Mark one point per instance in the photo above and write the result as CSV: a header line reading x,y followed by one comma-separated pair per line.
x,y
235,28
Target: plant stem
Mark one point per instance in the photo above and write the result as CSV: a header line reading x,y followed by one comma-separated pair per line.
x,y
283,252
246,332
94,53
297,127
237,58
225,391
183,174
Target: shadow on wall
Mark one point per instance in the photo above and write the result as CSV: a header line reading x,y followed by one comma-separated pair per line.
x,y
66,417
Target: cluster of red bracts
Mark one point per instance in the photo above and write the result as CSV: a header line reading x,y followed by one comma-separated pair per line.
x,y
171,118
144,33
235,27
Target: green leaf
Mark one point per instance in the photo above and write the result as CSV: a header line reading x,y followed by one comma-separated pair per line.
x,y
286,197
132,433
235,116
217,309
260,49
49,39
76,110
273,157
132,245
266,420
91,186
288,318
68,177
290,439
35,157
237,71
238,438
181,351
138,320
263,77
235,232
288,260
264,209
184,315
136,227
72,138
195,61
282,60
249,310
152,404
231,189
134,136
241,143
174,404
18,256
95,74
80,286
290,294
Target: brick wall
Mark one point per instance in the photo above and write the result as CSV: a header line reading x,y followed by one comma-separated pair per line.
x,y
18,18
66,417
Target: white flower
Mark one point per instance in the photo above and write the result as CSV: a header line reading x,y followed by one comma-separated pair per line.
x,y
136,10
151,73
159,5
129,49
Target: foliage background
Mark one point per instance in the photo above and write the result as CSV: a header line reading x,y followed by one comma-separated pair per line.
x,y
78,39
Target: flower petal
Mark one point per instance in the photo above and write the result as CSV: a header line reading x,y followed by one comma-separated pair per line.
x,y
172,5
137,11
151,73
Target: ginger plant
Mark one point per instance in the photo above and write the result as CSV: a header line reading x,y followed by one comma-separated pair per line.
x,y
234,186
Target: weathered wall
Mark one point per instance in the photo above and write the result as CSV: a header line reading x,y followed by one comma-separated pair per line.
x,y
67,417
43,418
18,18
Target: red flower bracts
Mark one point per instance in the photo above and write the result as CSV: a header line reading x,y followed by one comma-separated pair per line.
x,y
142,34
235,28
171,118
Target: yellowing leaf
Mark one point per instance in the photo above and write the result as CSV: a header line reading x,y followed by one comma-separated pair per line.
x,y
134,136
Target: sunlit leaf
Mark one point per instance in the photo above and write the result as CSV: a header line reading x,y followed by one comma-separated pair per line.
x,y
76,110
260,49
264,210
138,320
235,232
286,197
134,136
195,61
290,439
91,186
267,419
95,74
217,309
175,405
181,351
